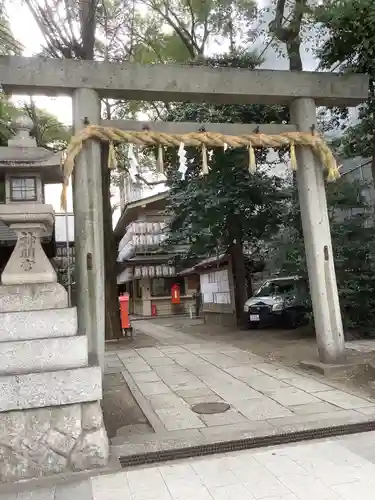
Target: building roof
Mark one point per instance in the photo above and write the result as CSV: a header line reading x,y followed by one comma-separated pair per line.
x,y
350,164
217,260
205,263
133,210
22,154
149,259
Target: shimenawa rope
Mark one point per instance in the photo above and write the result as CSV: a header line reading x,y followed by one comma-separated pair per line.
x,y
201,140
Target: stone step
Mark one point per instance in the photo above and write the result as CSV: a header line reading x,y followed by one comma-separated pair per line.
x,y
62,387
58,353
43,324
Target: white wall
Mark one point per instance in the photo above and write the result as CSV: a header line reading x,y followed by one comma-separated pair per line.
x,y
60,227
215,287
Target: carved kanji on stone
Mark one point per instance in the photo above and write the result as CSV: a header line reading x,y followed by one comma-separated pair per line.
x,y
27,242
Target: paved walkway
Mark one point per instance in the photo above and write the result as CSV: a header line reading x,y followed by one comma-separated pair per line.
x,y
265,398
335,469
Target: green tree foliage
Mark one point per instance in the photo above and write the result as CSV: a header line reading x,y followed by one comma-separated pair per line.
x,y
229,204
48,131
351,34
353,245
230,209
188,25
348,31
353,248
348,34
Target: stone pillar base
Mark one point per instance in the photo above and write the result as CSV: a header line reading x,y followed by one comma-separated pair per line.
x,y
46,441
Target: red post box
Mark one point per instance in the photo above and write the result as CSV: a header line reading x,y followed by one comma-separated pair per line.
x,y
154,311
124,311
176,294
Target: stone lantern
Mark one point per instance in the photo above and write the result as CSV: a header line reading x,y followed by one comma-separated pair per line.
x,y
25,169
50,415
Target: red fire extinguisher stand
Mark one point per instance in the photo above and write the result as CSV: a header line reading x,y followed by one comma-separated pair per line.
x,y
124,315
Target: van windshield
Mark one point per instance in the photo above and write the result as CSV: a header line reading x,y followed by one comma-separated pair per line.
x,y
279,287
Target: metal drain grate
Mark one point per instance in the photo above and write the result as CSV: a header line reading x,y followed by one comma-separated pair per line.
x,y
210,408
243,444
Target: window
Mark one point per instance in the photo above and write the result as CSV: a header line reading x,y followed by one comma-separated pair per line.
x,y
161,287
277,287
212,277
138,289
23,189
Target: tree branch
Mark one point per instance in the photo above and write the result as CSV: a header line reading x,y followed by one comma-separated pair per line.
x,y
192,32
290,35
148,183
180,32
181,25
69,16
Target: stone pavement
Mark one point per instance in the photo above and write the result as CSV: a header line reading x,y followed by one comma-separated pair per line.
x,y
363,346
172,373
265,398
333,469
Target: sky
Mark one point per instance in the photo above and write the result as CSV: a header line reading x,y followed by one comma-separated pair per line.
x,y
27,32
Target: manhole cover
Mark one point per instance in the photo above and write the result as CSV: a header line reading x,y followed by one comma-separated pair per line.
x,y
208,408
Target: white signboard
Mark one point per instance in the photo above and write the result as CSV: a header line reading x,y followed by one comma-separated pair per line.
x,y
215,287
151,271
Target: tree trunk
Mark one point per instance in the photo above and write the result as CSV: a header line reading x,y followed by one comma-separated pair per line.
x,y
249,285
240,280
290,34
87,11
112,315
294,55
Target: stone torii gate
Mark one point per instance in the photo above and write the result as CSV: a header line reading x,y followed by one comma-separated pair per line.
x,y
88,81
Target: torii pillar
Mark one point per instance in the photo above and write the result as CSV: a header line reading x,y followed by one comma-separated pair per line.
x,y
318,245
88,219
